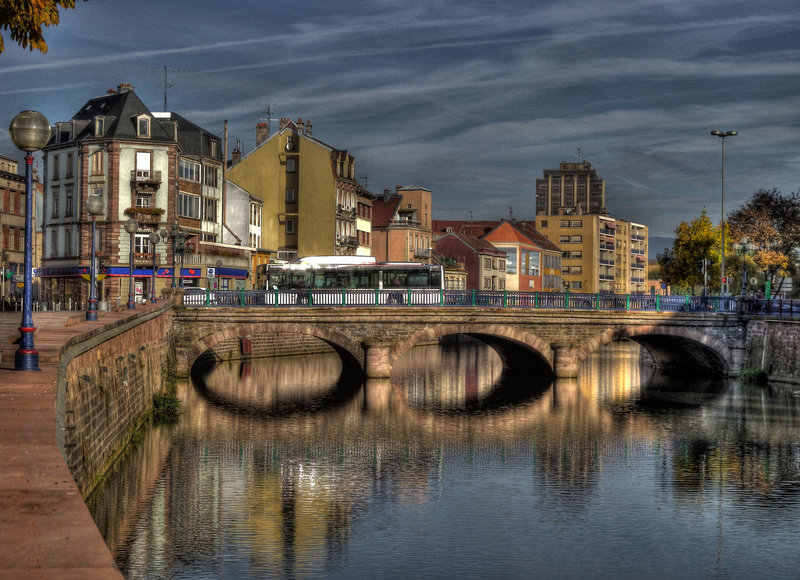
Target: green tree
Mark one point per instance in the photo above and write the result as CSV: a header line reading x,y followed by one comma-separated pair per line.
x,y
25,19
772,222
695,241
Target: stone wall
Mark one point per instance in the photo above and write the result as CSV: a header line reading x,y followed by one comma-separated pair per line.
x,y
107,379
774,345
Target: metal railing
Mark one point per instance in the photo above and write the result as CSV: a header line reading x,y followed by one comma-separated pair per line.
x,y
494,299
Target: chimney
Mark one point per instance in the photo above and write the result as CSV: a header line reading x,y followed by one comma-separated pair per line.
x,y
308,128
300,125
262,133
124,88
387,193
236,154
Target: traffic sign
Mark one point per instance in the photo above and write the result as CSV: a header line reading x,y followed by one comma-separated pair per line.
x,y
211,273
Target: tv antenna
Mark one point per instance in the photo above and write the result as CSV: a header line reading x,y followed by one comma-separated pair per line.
x,y
166,83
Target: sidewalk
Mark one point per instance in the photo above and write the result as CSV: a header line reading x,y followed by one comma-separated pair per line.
x,y
46,530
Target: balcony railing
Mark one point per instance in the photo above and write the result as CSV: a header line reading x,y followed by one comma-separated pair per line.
x,y
145,176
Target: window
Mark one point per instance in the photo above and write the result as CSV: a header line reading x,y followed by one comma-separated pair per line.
x,y
189,170
577,223
487,283
576,254
563,224
563,239
289,225
53,243
543,224
54,167
209,209
210,175
68,243
576,239
143,126
143,164
55,203
96,163
287,254
68,203
189,206
99,126
575,285
291,165
290,195
97,191
141,243
70,159
142,200
576,269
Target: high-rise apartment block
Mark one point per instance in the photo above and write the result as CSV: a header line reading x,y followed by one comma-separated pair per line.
x,y
572,187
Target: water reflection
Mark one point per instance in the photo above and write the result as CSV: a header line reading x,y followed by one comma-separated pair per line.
x,y
419,475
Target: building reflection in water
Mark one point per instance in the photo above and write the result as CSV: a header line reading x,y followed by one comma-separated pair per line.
x,y
275,461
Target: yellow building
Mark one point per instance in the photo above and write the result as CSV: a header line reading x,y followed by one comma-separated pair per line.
x,y
601,253
308,190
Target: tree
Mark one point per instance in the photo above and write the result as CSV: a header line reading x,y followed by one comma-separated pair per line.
x,y
25,20
694,242
772,222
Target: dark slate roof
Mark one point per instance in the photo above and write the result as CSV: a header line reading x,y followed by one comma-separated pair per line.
x,y
120,110
194,140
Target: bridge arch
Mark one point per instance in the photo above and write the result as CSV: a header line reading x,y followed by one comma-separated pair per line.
x,y
228,337
510,342
670,347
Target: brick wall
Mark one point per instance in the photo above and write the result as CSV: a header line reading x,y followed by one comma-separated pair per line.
x,y
773,345
105,391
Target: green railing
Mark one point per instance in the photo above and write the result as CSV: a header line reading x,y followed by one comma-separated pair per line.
x,y
486,299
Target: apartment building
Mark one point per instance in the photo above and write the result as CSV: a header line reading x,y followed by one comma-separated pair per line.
x,y
158,169
401,225
311,201
533,263
484,264
573,186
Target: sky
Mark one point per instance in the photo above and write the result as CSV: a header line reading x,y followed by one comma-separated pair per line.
x,y
470,99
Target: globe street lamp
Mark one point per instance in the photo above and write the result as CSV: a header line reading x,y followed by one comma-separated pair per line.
x,y
94,207
722,135
219,276
29,131
154,238
744,248
131,226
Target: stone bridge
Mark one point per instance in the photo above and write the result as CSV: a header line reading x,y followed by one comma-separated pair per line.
x,y
547,340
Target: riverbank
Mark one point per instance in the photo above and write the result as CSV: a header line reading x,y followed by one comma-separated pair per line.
x,y
46,530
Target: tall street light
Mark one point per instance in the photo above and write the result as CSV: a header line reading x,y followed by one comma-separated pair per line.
x,y
29,131
94,207
722,135
154,238
131,226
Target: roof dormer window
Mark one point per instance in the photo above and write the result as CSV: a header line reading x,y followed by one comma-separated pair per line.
x,y
143,126
99,126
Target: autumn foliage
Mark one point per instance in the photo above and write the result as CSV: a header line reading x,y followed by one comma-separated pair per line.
x,y
26,18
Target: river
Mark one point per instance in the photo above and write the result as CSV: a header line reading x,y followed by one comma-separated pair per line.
x,y
290,468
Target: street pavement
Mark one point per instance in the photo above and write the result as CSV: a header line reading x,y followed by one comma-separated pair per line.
x,y
46,530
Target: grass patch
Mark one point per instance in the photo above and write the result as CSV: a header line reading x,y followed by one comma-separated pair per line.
x,y
754,376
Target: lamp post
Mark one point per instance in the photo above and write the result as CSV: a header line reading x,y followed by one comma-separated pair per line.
x,y
219,265
131,226
722,135
29,131
743,248
154,237
94,207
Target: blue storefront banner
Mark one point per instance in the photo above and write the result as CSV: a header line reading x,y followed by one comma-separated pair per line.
x,y
141,272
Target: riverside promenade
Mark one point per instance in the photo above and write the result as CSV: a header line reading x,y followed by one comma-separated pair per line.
x,y
46,530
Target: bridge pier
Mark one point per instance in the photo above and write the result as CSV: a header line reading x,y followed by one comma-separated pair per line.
x,y
377,360
565,360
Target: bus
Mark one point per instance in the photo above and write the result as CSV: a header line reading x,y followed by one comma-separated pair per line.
x,y
362,278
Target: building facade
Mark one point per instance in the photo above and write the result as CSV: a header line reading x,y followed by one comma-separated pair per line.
x,y
12,223
484,264
573,188
310,197
158,169
533,263
401,225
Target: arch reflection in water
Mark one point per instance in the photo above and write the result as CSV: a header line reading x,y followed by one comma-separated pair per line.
x,y
462,374
278,385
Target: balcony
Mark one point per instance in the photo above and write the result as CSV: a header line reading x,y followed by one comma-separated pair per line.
x,y
350,241
145,215
422,253
142,177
